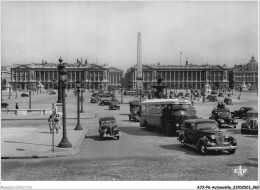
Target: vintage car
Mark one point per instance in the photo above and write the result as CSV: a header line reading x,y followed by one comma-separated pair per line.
x,y
213,98
94,99
52,92
104,102
114,104
24,95
4,105
241,112
134,111
251,124
214,92
204,135
223,117
108,127
221,94
229,95
228,101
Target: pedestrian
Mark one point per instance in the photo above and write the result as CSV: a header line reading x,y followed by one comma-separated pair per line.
x,y
222,105
218,105
51,122
57,122
16,106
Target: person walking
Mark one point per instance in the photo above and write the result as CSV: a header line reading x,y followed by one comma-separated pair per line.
x,y
51,123
16,106
57,122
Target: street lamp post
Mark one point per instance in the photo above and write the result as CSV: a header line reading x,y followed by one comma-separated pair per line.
x,y
140,93
78,126
60,67
203,93
64,141
9,92
121,95
30,97
82,99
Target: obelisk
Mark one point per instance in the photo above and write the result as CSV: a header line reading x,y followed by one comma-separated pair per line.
x,y
139,77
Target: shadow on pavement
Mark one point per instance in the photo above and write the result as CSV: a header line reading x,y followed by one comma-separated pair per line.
x,y
26,143
138,131
191,151
97,138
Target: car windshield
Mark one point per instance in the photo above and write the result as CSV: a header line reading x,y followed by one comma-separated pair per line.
x,y
207,126
223,113
180,106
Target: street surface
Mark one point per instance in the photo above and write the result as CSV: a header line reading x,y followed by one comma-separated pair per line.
x,y
138,155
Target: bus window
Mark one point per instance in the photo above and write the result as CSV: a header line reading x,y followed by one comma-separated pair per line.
x,y
152,110
158,109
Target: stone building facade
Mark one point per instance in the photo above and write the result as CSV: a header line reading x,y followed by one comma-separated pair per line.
x,y
245,73
181,76
92,76
115,77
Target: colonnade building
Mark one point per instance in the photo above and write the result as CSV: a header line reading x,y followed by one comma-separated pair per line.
x,y
92,76
181,76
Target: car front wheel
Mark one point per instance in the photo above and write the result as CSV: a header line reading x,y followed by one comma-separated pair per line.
x,y
232,151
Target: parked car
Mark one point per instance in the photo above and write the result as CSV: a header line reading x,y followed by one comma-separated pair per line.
x,y
24,95
214,92
221,94
108,127
114,104
134,110
4,105
241,112
104,102
228,101
204,135
223,117
52,92
213,98
94,99
251,124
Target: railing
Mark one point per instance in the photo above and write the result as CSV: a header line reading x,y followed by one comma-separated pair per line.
x,y
23,112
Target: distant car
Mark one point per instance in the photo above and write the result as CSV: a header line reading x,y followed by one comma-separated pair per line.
x,y
52,92
114,105
24,95
228,101
251,124
213,98
108,127
221,94
104,102
229,95
94,99
214,92
204,135
4,105
223,117
241,112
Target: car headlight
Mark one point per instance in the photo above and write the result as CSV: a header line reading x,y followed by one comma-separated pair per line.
x,y
212,136
177,124
221,121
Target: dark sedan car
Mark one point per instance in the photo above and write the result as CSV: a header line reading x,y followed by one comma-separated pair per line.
x,y
104,102
251,124
108,127
241,112
24,95
204,135
223,117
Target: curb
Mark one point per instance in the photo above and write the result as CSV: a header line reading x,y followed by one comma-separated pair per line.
x,y
69,152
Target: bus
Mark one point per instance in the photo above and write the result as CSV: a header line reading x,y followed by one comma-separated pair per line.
x,y
166,114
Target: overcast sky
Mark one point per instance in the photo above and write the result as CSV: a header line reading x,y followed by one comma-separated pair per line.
x,y
106,32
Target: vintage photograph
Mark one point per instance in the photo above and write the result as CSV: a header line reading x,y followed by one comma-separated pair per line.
x,y
129,94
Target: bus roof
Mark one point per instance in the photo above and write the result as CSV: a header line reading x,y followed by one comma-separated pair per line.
x,y
166,101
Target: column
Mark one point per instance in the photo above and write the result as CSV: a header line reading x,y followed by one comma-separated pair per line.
x,y
171,76
200,76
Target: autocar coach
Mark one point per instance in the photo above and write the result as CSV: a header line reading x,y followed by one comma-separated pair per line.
x,y
166,114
